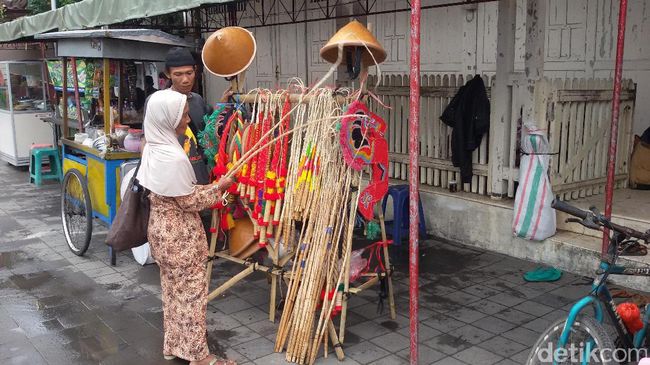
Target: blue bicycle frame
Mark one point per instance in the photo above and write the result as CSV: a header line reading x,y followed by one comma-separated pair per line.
x,y
600,297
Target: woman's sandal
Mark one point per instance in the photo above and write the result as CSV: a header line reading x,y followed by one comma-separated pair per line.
x,y
217,361
214,361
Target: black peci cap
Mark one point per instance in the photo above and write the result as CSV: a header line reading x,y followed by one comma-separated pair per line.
x,y
179,56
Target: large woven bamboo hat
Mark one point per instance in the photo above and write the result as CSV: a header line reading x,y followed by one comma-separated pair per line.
x,y
353,35
242,242
229,51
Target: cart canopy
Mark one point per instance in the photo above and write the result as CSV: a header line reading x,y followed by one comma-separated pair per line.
x,y
93,13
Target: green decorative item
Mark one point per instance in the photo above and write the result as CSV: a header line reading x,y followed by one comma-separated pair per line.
x,y
209,136
372,230
543,274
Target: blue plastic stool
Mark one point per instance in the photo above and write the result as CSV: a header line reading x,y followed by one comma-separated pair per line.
x,y
36,156
400,223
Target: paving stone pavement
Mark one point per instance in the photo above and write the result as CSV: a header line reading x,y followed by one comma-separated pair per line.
x,y
58,308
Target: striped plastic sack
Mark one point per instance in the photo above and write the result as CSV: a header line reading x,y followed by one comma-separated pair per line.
x,y
534,218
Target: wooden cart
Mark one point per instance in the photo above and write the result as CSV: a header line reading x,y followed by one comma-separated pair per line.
x,y
92,176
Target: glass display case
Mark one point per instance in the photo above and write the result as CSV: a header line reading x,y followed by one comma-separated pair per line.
x,y
22,104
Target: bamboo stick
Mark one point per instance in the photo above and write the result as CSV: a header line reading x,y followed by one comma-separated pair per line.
x,y
335,341
234,280
389,280
294,98
213,243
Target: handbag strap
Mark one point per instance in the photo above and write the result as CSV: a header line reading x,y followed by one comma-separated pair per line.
x,y
135,180
137,168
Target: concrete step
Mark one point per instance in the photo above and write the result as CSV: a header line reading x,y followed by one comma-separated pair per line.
x,y
631,208
638,224
486,223
580,254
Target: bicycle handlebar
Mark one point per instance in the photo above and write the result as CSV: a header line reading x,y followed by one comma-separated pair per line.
x,y
599,219
569,209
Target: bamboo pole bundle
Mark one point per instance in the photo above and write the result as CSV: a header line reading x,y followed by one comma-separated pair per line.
x,y
300,147
319,261
319,182
317,198
339,271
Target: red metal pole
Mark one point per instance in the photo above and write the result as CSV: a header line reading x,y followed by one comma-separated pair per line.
x,y
414,152
616,102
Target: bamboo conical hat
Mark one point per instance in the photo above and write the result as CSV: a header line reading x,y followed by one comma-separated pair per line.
x,y
354,34
229,51
242,242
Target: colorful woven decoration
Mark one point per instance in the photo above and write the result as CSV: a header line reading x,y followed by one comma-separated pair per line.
x,y
209,137
222,165
236,145
260,179
363,142
280,164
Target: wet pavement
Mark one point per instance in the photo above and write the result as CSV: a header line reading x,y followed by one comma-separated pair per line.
x,y
58,308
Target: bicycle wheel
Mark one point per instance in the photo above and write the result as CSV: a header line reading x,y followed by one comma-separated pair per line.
x,y
583,332
76,212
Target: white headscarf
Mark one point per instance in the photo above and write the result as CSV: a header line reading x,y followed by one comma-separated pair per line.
x,y
165,168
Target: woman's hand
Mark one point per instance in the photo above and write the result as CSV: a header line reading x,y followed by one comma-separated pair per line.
x,y
226,95
224,183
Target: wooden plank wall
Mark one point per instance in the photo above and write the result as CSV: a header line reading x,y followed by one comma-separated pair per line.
x,y
578,125
436,168
579,132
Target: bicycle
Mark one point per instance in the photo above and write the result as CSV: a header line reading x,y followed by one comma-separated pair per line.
x,y
581,338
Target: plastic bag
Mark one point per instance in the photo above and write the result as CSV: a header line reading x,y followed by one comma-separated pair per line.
x,y
534,218
631,316
141,254
357,264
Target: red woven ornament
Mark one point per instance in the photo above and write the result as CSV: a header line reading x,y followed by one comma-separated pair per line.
x,y
284,158
253,170
271,192
279,165
269,186
221,160
221,169
281,145
237,147
363,143
262,162
244,175
263,156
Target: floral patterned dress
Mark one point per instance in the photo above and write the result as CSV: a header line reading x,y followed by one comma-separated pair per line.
x,y
179,245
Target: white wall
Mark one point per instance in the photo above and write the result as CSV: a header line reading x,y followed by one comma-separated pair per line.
x,y
581,42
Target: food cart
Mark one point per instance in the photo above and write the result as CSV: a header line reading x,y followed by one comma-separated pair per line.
x,y
92,165
22,104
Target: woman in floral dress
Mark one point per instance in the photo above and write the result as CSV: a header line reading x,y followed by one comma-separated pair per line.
x,y
176,234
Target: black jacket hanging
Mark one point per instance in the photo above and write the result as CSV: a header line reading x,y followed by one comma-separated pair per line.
x,y
468,114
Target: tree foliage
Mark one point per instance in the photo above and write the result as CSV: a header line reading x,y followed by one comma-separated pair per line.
x,y
39,6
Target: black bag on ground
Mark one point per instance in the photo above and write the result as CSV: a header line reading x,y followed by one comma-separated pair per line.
x,y
129,228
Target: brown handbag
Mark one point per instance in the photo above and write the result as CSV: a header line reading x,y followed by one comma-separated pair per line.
x,y
129,228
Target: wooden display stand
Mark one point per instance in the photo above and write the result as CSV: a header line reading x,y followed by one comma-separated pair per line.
x,y
277,272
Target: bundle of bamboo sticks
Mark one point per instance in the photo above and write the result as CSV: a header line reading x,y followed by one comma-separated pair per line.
x,y
317,206
318,199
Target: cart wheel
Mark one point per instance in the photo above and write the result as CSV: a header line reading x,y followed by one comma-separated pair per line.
x,y
76,212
